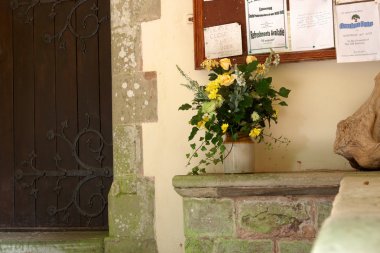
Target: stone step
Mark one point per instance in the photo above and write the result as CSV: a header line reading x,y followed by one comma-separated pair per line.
x,y
52,242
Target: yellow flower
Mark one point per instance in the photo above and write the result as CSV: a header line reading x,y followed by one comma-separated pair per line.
x,y
260,69
225,63
226,79
250,58
224,127
213,94
209,64
255,132
202,123
213,85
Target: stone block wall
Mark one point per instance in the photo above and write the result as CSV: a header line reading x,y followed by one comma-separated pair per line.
x,y
255,213
257,224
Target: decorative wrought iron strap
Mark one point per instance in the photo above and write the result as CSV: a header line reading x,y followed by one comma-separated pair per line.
x,y
29,176
26,9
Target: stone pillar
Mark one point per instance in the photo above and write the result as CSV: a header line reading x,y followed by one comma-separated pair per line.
x,y
134,101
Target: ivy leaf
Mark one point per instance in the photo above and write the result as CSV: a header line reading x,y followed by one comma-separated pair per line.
x,y
283,103
212,76
185,107
251,67
215,140
192,146
194,131
283,92
208,136
196,118
219,70
262,88
247,102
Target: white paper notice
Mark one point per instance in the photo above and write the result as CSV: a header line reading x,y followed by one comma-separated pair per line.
x,y
223,41
266,25
311,24
358,32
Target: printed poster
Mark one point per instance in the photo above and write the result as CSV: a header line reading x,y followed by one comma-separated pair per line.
x,y
358,32
266,25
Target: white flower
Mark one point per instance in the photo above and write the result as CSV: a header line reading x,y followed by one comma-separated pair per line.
x,y
255,116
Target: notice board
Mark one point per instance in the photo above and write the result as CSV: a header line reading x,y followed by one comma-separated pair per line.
x,y
210,13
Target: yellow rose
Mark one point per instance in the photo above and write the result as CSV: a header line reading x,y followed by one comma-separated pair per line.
x,y
225,63
224,127
255,132
209,64
226,79
250,58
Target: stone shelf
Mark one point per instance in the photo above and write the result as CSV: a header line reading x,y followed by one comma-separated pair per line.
x,y
260,184
52,242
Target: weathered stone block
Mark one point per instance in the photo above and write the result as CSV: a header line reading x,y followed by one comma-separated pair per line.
x,y
147,10
243,246
132,215
275,217
127,150
295,246
195,245
136,98
126,47
209,217
323,211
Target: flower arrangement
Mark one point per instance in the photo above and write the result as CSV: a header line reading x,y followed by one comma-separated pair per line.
x,y
237,101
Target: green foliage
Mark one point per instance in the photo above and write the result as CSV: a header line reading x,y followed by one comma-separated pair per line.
x,y
185,107
238,100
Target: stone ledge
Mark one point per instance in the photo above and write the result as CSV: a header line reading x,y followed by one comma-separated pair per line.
x,y
324,183
355,219
52,242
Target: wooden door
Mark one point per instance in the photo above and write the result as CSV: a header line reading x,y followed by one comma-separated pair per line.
x,y
55,114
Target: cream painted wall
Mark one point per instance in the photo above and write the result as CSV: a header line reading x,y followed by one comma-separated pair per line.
x,y
323,93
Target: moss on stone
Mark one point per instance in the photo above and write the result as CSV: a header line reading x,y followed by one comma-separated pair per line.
x,y
244,246
209,217
195,245
277,216
295,246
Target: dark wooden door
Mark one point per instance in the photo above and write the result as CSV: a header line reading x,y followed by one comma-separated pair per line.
x,y
55,114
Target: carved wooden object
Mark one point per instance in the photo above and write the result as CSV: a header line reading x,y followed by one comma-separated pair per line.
x,y
358,136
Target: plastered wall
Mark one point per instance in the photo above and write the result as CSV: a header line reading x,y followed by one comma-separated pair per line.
x,y
323,92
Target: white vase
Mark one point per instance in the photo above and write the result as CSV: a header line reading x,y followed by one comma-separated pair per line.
x,y
240,158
